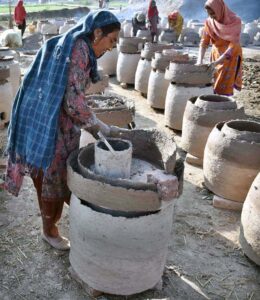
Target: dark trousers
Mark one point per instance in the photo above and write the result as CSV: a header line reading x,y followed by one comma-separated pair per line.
x,y
22,27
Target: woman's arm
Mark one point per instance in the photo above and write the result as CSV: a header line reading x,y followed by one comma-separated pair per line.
x,y
204,43
75,103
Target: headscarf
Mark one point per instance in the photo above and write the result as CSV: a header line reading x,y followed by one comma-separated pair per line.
x,y
19,12
34,122
152,10
228,26
173,15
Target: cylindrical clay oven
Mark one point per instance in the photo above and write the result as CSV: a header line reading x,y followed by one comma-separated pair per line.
x,y
119,242
144,65
250,223
108,62
187,80
200,116
15,71
128,59
6,95
157,84
231,159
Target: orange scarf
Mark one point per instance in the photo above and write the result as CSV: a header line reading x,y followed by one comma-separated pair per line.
x,y
228,24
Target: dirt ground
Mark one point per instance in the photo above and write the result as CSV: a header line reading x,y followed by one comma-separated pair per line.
x,y
205,260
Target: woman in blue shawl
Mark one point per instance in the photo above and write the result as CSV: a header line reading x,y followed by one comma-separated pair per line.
x,y
50,109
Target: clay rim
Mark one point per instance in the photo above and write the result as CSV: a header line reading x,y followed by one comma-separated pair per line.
x,y
215,98
117,144
77,161
244,126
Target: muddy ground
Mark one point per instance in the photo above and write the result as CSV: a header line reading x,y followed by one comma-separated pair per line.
x,y
205,260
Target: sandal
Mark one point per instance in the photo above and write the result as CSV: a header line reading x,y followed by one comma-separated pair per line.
x,y
60,242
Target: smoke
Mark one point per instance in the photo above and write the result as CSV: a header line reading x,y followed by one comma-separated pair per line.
x,y
248,10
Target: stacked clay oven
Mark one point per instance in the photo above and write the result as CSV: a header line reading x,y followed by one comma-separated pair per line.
x,y
129,54
157,84
187,80
144,65
119,242
200,116
231,159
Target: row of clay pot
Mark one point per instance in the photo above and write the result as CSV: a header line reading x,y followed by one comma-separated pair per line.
x,y
201,115
231,158
6,95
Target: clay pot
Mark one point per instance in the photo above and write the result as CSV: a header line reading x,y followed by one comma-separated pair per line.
x,y
6,95
244,39
126,67
113,165
231,158
49,28
157,88
15,72
188,73
250,223
118,255
127,28
176,100
168,36
142,75
190,38
108,62
112,109
201,115
160,61
40,24
150,48
126,195
144,33
197,26
67,26
130,44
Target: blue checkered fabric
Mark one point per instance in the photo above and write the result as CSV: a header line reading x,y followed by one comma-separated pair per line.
x,y
33,127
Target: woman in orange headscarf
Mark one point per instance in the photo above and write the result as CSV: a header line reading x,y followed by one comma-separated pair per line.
x,y
153,19
20,16
222,29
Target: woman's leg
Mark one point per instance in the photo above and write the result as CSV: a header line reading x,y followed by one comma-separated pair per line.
x,y
23,27
51,209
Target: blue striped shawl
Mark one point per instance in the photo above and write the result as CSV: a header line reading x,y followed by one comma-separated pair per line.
x,y
33,127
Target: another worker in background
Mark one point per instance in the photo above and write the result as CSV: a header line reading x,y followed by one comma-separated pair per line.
x,y
175,21
100,3
138,23
153,19
222,29
20,16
